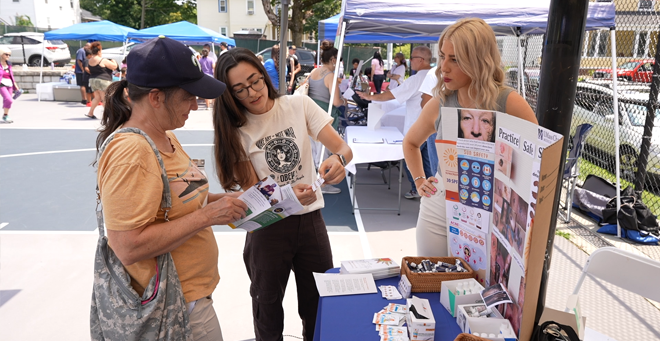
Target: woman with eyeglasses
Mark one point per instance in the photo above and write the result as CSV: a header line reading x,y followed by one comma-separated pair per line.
x,y
260,134
7,83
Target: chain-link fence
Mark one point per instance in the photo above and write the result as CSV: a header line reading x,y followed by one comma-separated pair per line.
x,y
637,56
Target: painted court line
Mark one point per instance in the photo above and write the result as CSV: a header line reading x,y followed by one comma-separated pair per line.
x,y
3,225
89,149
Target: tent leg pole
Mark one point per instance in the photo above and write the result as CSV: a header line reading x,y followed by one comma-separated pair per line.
x,y
340,47
616,128
562,47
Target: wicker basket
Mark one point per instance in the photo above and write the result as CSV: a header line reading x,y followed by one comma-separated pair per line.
x,y
469,337
432,282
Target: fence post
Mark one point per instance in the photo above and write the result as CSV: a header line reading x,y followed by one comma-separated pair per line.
x,y
644,149
562,48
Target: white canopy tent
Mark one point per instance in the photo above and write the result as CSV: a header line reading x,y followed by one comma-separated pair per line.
x,y
428,18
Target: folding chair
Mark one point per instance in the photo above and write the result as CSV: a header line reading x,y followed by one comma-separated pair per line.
x,y
635,273
572,167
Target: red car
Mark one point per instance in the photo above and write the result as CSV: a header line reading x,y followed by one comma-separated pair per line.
x,y
634,71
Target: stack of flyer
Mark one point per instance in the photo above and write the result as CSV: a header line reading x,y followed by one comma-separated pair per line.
x,y
379,267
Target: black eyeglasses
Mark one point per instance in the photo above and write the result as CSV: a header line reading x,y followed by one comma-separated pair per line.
x,y
6,54
257,85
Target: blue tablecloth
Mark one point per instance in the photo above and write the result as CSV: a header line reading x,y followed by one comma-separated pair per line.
x,y
349,317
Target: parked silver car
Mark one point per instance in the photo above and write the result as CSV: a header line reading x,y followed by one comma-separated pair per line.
x,y
55,51
594,105
117,53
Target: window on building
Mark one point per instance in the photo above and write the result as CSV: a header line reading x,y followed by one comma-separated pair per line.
x,y
223,31
597,43
250,6
260,30
222,6
645,5
641,44
71,3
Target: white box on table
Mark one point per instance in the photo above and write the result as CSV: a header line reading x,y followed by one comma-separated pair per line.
x,y
376,113
462,316
573,319
45,90
420,329
450,300
489,326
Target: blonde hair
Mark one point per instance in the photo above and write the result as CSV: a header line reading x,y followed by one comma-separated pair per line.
x,y
4,49
477,55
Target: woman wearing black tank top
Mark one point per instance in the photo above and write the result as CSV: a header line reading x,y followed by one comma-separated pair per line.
x,y
469,75
100,75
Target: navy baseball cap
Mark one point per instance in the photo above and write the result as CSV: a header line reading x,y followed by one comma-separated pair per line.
x,y
162,63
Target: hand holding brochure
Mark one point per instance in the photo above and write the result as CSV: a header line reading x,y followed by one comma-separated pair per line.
x,y
267,203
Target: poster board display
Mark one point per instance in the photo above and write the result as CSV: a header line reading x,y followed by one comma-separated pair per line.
x,y
500,175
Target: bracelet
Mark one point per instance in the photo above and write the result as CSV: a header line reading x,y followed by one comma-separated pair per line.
x,y
419,177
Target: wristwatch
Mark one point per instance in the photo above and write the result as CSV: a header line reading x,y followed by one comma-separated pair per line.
x,y
342,159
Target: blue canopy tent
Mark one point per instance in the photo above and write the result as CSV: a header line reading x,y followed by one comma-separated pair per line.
x,y
98,30
183,31
328,31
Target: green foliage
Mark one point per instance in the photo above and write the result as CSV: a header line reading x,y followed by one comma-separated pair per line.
x,y
563,234
129,12
321,11
24,20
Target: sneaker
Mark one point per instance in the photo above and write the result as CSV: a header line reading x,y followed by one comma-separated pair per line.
x,y
89,104
412,194
6,119
329,189
84,101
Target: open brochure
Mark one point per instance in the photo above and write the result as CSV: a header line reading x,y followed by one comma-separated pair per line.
x,y
267,203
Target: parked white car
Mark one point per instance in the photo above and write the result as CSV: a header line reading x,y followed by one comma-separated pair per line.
x,y
117,53
55,51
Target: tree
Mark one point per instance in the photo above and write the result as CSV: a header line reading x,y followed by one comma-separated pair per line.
x,y
321,11
142,13
24,20
300,11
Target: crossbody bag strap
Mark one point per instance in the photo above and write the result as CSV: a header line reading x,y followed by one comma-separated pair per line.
x,y
166,200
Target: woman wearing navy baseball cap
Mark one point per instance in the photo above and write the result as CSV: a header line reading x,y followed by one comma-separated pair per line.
x,y
259,134
131,186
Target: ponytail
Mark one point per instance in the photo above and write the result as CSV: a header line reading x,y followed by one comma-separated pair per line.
x,y
116,112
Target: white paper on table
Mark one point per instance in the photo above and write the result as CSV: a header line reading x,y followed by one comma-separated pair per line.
x,y
348,94
344,284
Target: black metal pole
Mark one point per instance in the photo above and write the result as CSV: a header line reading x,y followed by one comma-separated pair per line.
x,y
284,30
644,149
562,48
23,47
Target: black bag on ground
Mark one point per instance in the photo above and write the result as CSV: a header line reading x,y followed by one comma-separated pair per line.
x,y
553,331
633,214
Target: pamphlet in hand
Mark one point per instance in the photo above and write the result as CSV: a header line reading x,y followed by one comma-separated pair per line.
x,y
267,203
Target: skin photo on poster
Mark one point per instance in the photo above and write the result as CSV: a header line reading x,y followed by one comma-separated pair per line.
x,y
476,125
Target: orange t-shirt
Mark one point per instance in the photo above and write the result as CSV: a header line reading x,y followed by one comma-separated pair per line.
x,y
131,188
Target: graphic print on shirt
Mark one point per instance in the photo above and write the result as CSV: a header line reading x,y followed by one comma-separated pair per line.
x,y
189,184
282,155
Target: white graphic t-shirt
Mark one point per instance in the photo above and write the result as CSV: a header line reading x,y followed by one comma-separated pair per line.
x,y
276,142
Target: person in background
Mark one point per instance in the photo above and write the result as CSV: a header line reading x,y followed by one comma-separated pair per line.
x,y
377,73
100,75
293,67
223,48
356,63
398,71
341,69
212,55
252,125
469,75
81,80
261,58
408,93
430,81
272,66
320,82
7,84
131,187
208,66
123,68
88,89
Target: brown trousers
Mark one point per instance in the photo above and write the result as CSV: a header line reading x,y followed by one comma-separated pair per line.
x,y
299,243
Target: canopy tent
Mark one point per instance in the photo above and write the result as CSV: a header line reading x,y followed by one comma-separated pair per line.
x,y
98,30
328,31
183,31
428,18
